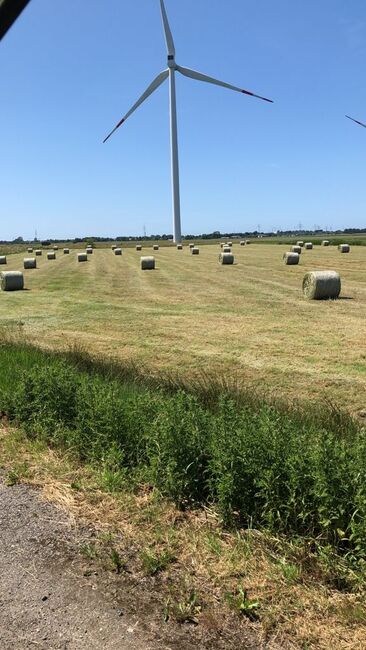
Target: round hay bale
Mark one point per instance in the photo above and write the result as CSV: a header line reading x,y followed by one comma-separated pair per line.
x,y
147,263
2,259
51,255
230,243
191,246
344,248
66,251
29,250
300,243
325,242
11,281
291,258
195,251
82,257
139,247
155,247
226,249
179,247
55,248
38,252
89,250
308,246
242,243
247,242
296,249
226,258
118,251
30,263
114,246
321,285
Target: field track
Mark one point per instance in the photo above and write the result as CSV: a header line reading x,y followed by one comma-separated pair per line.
x,y
192,314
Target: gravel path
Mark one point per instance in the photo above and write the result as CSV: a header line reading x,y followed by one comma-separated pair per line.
x,y
48,601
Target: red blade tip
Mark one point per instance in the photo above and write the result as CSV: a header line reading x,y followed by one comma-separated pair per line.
x,y
247,92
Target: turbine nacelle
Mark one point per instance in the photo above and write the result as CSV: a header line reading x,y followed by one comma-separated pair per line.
x,y
171,61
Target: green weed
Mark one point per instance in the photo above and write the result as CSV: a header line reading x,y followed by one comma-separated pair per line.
x,y
89,550
117,561
154,562
16,474
242,604
185,610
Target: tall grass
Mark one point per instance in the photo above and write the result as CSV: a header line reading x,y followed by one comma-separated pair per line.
x,y
290,470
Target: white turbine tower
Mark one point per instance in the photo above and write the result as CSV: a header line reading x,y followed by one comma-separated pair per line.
x,y
173,67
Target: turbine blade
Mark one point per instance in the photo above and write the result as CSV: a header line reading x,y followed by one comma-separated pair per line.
x,y
357,121
168,33
153,86
193,74
10,10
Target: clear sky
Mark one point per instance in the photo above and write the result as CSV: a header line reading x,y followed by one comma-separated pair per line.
x,y
70,70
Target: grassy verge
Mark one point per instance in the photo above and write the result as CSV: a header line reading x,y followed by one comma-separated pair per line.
x,y
257,506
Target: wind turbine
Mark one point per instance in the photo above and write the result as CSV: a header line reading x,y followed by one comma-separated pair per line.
x,y
173,67
357,121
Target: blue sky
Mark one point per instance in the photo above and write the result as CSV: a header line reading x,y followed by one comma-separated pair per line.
x,y
69,71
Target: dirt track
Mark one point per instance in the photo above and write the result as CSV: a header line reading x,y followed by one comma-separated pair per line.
x,y
49,601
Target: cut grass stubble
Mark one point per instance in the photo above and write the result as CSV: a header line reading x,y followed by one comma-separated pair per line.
x,y
249,318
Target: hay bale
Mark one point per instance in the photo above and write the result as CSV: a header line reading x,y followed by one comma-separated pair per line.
x,y
179,247
325,242
344,248
89,250
226,258
296,249
308,246
291,258
30,263
38,252
300,243
147,263
226,249
247,242
155,247
66,251
55,248
195,251
242,243
51,255
2,259
82,257
29,250
321,285
114,246
230,243
11,281
139,247
191,246
118,251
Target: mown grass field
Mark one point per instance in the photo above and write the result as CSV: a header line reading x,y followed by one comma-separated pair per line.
x,y
191,314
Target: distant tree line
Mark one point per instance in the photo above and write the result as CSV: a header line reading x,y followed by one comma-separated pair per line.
x,y
216,234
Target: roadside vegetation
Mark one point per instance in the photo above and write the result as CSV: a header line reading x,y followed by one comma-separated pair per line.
x,y
284,485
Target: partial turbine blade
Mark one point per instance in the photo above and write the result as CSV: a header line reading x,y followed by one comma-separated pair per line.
x,y
357,122
202,77
9,12
168,34
153,86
